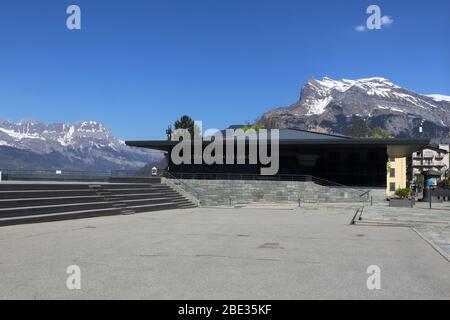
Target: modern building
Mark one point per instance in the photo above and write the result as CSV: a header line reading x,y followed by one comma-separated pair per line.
x,y
429,158
335,158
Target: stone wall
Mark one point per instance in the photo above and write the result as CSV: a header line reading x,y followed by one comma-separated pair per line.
x,y
235,192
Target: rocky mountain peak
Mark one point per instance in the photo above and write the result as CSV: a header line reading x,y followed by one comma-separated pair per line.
x,y
332,105
84,145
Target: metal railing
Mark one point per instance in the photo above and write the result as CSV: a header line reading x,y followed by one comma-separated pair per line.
x,y
441,193
69,175
182,186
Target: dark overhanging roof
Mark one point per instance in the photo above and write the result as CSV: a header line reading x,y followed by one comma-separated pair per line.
x,y
298,134
285,135
397,148
404,148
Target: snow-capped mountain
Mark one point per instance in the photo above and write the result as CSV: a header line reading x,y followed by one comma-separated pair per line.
x,y
439,97
333,105
85,145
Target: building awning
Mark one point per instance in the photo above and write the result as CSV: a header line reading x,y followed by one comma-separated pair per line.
x,y
396,148
431,173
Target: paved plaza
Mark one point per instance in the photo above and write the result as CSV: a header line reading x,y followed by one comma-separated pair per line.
x,y
432,224
240,253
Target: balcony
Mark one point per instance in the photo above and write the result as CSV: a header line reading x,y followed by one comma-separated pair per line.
x,y
430,165
429,154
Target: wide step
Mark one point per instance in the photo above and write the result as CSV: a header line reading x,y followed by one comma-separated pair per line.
x,y
34,202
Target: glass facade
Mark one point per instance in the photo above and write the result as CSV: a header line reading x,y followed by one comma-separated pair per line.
x,y
355,165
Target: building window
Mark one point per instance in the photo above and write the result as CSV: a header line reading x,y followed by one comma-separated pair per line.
x,y
392,173
392,187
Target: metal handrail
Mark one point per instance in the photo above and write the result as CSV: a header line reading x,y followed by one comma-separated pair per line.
x,y
335,184
190,189
365,193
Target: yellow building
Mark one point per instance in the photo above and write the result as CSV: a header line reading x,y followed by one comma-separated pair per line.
x,y
396,175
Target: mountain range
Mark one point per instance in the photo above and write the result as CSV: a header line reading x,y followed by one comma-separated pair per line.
x,y
333,106
84,146
326,105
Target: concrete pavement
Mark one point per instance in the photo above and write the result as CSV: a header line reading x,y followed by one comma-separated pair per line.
x,y
220,254
432,224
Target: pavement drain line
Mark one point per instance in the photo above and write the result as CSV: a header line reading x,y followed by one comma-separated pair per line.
x,y
444,254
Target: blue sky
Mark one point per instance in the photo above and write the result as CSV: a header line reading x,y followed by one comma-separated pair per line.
x,y
137,65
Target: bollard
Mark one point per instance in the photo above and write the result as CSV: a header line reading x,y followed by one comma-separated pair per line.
x,y
430,196
0,176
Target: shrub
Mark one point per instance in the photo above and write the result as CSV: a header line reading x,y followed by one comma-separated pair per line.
x,y
445,184
420,181
403,193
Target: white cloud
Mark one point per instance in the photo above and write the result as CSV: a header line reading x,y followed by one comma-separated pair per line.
x,y
360,28
386,21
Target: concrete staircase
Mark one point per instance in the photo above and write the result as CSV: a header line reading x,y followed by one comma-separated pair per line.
x,y
41,202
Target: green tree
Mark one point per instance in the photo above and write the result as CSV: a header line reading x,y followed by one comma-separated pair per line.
x,y
380,133
186,122
255,126
359,129
271,122
420,181
445,183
